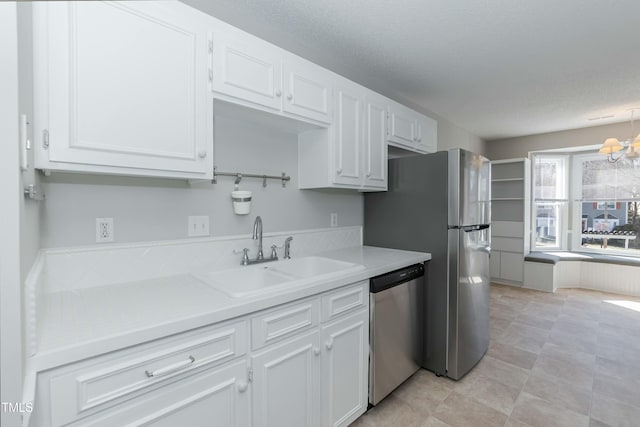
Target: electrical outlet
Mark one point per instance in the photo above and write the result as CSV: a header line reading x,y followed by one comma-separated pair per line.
x,y
198,226
334,219
104,230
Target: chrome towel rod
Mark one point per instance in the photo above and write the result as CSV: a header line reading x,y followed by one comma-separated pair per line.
x,y
238,175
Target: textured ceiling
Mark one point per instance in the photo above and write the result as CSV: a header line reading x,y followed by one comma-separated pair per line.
x,y
496,68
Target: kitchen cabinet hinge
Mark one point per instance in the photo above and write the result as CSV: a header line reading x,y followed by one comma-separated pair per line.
x,y
250,374
45,139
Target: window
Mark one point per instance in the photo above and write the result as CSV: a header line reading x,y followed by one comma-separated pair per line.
x,y
550,201
601,199
601,206
608,195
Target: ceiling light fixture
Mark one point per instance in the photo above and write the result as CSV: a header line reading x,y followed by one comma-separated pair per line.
x,y
630,146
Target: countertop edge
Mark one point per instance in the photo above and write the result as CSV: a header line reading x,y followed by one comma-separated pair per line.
x,y
57,357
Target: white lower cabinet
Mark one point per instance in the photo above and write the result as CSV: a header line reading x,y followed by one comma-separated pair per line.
x,y
215,397
345,364
286,383
300,364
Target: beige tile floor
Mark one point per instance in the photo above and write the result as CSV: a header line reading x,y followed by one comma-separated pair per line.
x,y
565,359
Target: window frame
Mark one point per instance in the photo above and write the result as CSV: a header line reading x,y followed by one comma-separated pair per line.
x,y
576,189
563,203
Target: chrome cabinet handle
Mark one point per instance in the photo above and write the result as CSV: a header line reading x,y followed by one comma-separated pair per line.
x,y
278,93
171,368
242,386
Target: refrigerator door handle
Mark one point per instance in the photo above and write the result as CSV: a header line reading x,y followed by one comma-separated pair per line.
x,y
469,228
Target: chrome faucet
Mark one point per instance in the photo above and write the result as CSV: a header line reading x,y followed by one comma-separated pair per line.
x,y
257,235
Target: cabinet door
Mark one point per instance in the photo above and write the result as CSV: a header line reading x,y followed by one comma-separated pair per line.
x,y
126,85
307,89
427,134
247,68
375,142
494,264
344,369
348,135
512,266
286,383
214,397
402,125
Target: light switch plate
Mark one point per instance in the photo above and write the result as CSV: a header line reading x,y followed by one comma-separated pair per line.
x,y
198,226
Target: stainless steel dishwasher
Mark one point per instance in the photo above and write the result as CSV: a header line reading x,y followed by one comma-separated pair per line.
x,y
396,329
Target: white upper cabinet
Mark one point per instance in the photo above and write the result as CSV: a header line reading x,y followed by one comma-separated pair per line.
x,y
375,143
132,88
251,72
411,130
348,135
402,125
427,134
122,87
246,69
353,152
307,89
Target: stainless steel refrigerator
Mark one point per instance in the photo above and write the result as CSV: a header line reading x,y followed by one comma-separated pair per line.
x,y
440,203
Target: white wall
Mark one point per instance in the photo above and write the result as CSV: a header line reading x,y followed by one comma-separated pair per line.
x,y
156,209
521,146
452,136
10,305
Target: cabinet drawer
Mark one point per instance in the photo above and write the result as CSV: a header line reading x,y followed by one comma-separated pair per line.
x,y
510,244
512,266
284,321
507,229
345,300
86,387
216,396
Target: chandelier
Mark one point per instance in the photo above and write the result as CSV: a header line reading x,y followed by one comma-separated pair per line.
x,y
629,148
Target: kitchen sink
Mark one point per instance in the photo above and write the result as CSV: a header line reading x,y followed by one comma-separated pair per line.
x,y
246,281
262,278
313,266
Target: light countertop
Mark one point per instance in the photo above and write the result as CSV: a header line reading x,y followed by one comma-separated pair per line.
x,y
87,322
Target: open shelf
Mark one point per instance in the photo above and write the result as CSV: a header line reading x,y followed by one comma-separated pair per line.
x,y
509,217
507,179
